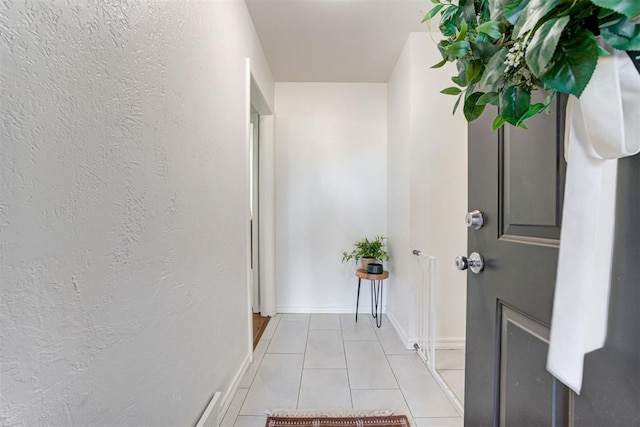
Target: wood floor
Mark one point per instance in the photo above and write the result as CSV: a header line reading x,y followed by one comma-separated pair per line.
x,y
259,325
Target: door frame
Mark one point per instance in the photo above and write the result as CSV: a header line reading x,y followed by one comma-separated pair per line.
x,y
254,96
254,195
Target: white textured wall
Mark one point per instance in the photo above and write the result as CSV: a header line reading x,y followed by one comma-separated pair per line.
x,y
123,208
427,199
401,292
330,165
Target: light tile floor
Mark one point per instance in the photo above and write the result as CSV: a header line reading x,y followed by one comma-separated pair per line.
x,y
329,361
450,366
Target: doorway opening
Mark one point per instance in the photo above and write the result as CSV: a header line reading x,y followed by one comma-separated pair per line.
x,y
259,325
260,133
259,321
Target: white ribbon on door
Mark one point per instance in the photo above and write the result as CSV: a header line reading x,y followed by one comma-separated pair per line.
x,y
602,126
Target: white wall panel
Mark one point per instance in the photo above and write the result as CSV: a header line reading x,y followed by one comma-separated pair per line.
x,y
330,189
123,208
427,196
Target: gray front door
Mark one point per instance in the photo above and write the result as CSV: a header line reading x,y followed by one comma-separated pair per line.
x,y
516,179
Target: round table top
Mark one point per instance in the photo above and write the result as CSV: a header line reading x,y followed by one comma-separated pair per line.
x,y
362,273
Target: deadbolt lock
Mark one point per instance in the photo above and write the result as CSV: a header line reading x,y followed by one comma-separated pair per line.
x,y
474,219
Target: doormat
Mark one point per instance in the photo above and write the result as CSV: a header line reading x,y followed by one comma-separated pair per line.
x,y
353,418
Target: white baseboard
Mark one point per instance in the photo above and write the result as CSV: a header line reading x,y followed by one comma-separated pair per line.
x,y
450,344
230,392
211,415
441,343
324,310
400,331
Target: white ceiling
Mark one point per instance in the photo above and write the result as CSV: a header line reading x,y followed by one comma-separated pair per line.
x,y
334,40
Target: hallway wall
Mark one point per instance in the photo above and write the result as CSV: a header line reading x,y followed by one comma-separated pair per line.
x,y
123,211
427,197
330,164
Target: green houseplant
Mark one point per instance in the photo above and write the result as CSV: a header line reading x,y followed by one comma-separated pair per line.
x,y
367,249
505,49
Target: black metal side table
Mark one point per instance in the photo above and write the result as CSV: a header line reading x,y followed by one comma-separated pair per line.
x,y
376,292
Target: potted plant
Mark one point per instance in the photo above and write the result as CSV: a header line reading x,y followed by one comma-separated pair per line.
x,y
506,49
368,251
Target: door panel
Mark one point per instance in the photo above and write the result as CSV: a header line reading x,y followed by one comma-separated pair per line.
x,y
530,177
516,178
528,394
532,170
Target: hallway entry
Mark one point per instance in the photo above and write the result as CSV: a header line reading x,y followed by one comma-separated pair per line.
x,y
260,209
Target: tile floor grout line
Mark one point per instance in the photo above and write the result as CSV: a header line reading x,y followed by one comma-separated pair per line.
x,y
346,365
304,357
251,383
257,369
239,406
398,382
258,366
275,329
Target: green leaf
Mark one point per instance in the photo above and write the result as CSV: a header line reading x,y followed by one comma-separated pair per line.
x,y
474,71
433,12
471,108
448,13
494,70
482,38
490,28
442,47
458,49
622,34
543,44
451,91
448,29
484,51
532,111
572,64
489,98
513,14
498,8
455,106
534,12
514,103
439,64
498,122
462,65
602,51
548,102
463,31
485,12
470,90
468,10
630,8
459,81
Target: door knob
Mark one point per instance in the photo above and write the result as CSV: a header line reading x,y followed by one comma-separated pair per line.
x,y
474,219
475,263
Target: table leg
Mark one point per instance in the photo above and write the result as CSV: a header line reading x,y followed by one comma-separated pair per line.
x,y
358,300
374,296
376,288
